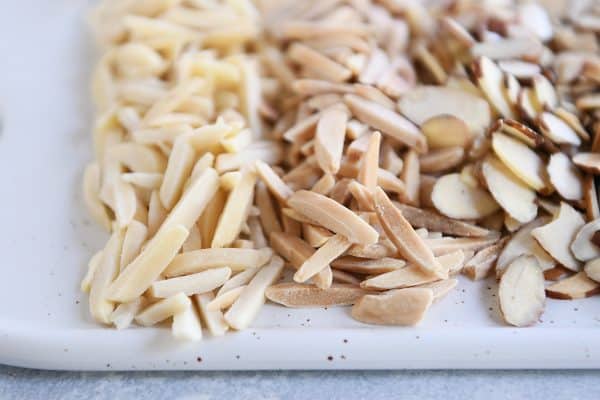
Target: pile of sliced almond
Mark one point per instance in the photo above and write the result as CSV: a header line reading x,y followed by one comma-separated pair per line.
x,y
376,149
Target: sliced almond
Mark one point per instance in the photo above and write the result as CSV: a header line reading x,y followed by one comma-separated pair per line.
x,y
200,260
556,236
592,269
582,247
521,160
565,177
506,49
557,130
333,248
455,199
545,92
519,131
421,218
577,286
387,121
329,139
412,275
589,162
521,292
333,216
573,121
536,19
480,265
245,309
441,160
303,295
590,197
398,307
519,69
453,107
516,198
490,80
403,236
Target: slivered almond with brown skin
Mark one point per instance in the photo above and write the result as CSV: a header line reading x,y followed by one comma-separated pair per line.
x,y
556,236
398,307
521,292
447,245
316,62
312,87
480,266
441,160
279,189
303,295
411,177
295,215
404,237
362,195
592,269
268,216
329,139
385,179
332,249
316,236
421,218
412,275
333,216
368,266
440,288
577,286
387,121
582,246
324,185
589,162
455,199
369,166
372,251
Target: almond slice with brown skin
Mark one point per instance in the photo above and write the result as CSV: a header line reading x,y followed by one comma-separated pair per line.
x,y
557,273
573,121
582,247
329,139
506,49
545,92
519,69
516,198
426,102
398,307
590,198
404,237
577,286
441,160
519,131
421,218
446,131
565,177
521,292
490,80
368,266
521,160
387,121
556,236
333,216
480,266
557,130
412,275
303,295
589,162
455,199
592,269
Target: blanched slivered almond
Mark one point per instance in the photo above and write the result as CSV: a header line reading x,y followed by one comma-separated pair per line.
x,y
565,177
333,248
333,216
246,307
236,211
315,235
480,266
179,166
411,177
556,236
589,162
521,160
422,218
490,80
582,247
368,266
124,314
557,130
447,245
369,166
226,299
387,121
516,198
441,160
592,269
200,282
303,295
199,260
521,292
455,199
135,236
402,234
146,180
412,275
273,181
329,138
440,288
163,309
316,62
577,286
186,325
396,307
106,269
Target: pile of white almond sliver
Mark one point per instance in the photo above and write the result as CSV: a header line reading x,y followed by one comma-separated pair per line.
x,y
375,148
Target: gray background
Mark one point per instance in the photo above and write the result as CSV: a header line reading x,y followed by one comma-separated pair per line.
x,y
17,383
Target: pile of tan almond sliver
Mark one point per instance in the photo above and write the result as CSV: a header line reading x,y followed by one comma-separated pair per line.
x,y
376,149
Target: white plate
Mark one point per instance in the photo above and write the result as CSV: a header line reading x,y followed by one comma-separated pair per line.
x,y
46,240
